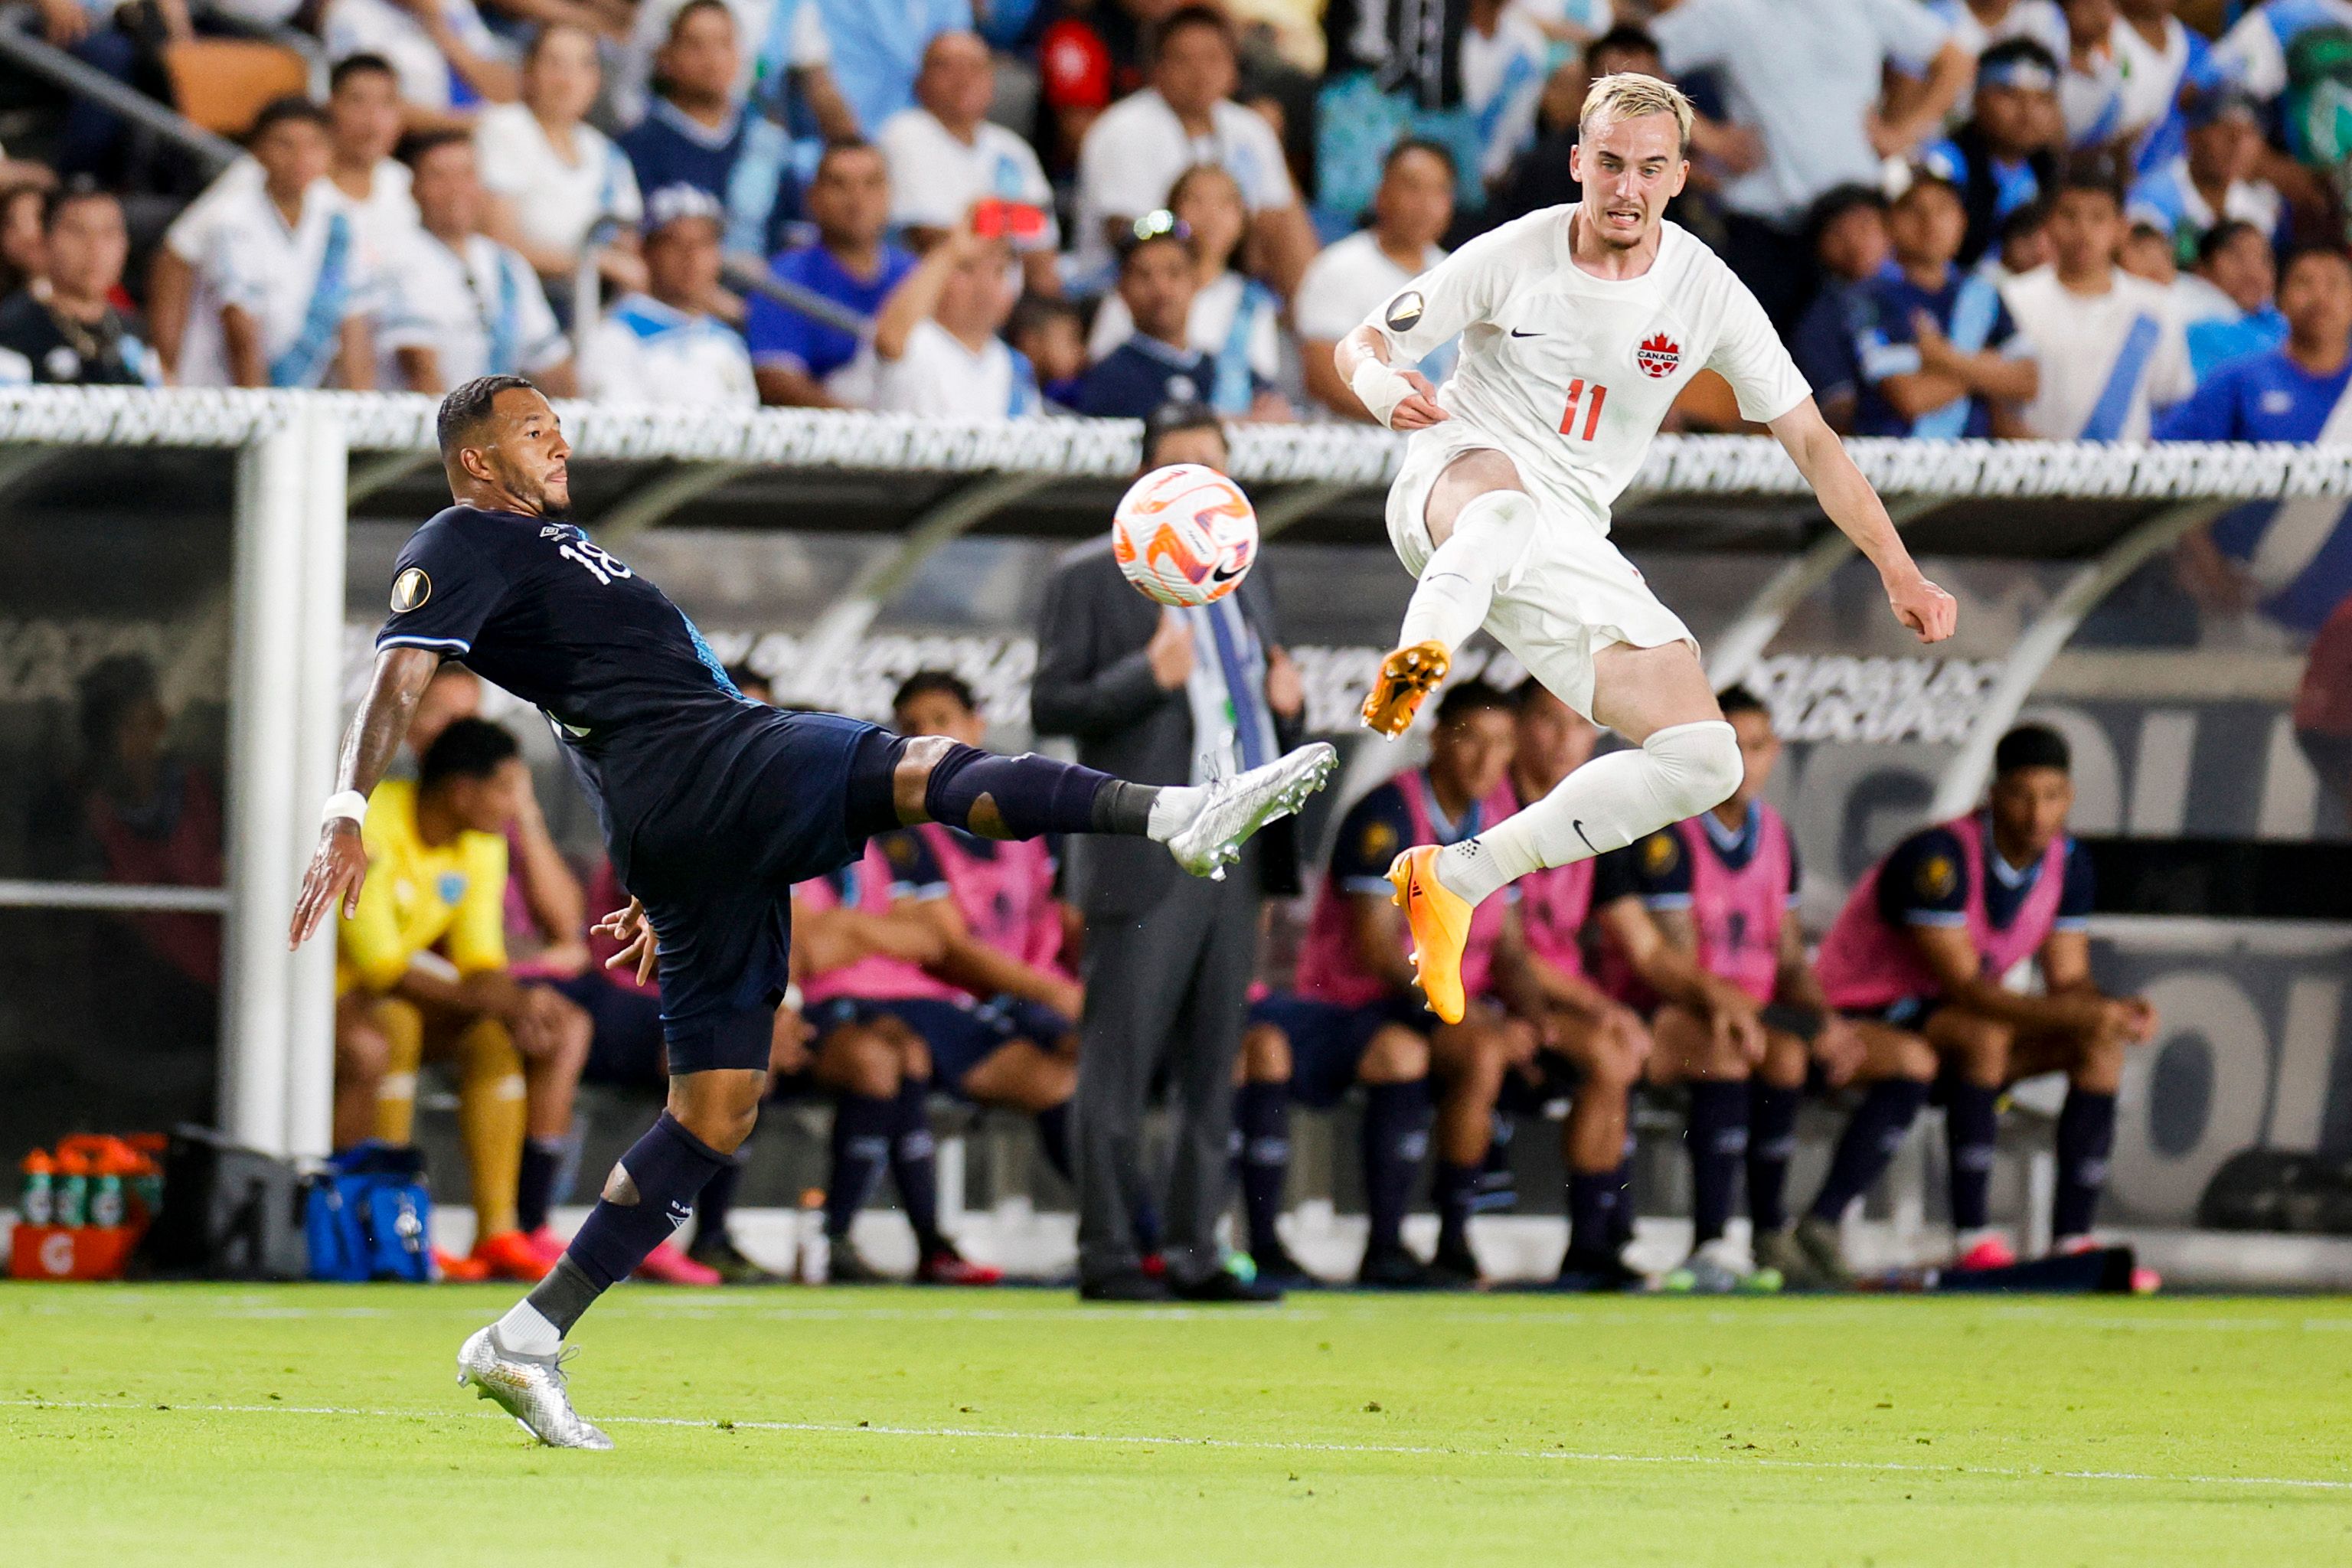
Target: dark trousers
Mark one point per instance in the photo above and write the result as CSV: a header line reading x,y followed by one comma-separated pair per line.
x,y
1170,984
1775,263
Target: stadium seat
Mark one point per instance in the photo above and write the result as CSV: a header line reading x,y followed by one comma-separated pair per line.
x,y
221,83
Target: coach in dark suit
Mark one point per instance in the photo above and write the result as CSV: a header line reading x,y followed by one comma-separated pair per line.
x,y
1169,957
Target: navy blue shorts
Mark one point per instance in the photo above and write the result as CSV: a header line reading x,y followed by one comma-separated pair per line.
x,y
626,1048
1327,1040
1905,1012
958,1035
716,872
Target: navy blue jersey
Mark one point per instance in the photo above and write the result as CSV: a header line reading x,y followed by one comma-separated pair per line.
x,y
1380,825
1926,882
1656,869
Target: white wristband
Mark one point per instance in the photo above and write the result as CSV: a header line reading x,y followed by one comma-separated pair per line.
x,y
1378,387
350,805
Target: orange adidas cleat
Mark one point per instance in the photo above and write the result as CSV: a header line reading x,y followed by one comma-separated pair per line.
x,y
509,1254
1440,922
1406,677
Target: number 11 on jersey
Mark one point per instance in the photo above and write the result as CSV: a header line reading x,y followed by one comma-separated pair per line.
x,y
1576,390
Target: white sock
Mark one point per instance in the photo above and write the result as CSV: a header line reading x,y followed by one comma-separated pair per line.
x,y
1458,583
1605,804
525,1330
1172,810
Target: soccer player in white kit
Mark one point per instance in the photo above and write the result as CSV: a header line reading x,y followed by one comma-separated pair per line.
x,y
1579,325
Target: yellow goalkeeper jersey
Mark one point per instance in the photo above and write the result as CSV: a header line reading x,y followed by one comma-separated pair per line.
x,y
421,897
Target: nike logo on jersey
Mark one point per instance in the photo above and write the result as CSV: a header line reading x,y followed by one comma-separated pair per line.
x,y
1516,334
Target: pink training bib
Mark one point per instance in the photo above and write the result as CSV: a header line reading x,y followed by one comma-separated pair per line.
x,y
874,977
1007,901
1738,912
1867,963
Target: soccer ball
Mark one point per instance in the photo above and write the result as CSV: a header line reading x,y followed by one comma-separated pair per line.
x,y
1185,534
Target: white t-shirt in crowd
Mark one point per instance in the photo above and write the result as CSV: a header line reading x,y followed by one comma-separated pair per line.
x,y
387,213
246,255
479,307
632,75
556,200
646,351
1134,153
2151,76
386,28
1571,374
1806,74
1346,282
1206,327
935,178
937,375
1502,83
2107,359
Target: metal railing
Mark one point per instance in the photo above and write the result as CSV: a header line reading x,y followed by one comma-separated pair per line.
x,y
22,45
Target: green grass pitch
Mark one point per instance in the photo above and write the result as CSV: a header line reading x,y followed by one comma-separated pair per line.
x,y
319,1426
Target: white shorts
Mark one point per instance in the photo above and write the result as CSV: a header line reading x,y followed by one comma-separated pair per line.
x,y
1572,595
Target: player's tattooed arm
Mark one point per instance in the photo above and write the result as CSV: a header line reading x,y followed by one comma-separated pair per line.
x,y
340,866
1851,504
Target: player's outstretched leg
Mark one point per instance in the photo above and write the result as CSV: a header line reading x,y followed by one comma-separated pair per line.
x,y
1489,536
1203,826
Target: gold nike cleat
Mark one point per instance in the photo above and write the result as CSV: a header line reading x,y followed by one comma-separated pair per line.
x,y
1406,677
1440,922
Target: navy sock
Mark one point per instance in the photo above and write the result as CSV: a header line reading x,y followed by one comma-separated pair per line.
x,y
861,1124
1718,1137
915,1163
1262,1122
1972,1123
718,1201
1771,1144
1147,1231
1053,1138
1870,1140
1396,1140
1594,1200
647,1196
1620,1208
2086,1132
1454,1190
1034,794
535,1180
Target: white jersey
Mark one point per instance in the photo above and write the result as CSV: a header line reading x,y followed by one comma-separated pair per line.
x,y
1569,375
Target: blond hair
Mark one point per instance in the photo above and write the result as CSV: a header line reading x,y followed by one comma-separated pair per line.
x,y
1630,95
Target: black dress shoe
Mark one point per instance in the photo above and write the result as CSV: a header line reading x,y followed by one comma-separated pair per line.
x,y
1126,1284
1394,1269
1224,1285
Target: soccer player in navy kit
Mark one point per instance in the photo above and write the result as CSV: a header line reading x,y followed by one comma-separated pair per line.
x,y
711,807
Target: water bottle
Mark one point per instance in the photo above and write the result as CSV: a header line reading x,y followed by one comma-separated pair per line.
x,y
38,1206
106,1193
73,1191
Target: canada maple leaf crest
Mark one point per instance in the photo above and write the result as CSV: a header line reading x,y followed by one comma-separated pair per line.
x,y
1659,356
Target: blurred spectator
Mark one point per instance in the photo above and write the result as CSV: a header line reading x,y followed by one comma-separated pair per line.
x,y
2023,243
1053,334
23,261
1808,79
2159,57
1938,355
850,263
1412,208
70,334
2211,178
1504,61
946,155
285,277
774,38
2259,55
2148,253
1976,25
664,346
2108,343
458,303
878,48
1851,247
1089,55
2091,86
1156,365
1233,319
552,178
701,131
1187,116
364,126
447,59
2006,155
2226,311
935,348
124,42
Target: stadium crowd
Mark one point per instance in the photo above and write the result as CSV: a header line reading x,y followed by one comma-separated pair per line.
x,y
1969,217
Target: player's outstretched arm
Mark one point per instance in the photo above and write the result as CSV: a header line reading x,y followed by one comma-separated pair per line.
x,y
340,864
1855,508
1401,400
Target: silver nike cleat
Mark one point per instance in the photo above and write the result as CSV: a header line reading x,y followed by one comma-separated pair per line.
x,y
528,1387
1238,806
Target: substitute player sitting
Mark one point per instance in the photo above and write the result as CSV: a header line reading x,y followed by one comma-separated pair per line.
x,y
421,975
1579,326
1354,1018
1926,941
711,806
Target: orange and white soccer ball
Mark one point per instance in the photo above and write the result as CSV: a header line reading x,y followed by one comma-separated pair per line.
x,y
1185,534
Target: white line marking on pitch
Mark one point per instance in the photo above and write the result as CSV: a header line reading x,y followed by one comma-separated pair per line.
x,y
1247,1444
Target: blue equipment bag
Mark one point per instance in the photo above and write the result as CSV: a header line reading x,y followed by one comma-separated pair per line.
x,y
370,1218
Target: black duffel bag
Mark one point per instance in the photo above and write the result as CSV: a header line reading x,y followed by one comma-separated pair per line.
x,y
2279,1190
229,1212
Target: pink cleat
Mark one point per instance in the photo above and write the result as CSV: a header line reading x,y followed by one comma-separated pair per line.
x,y
665,1265
1990,1252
